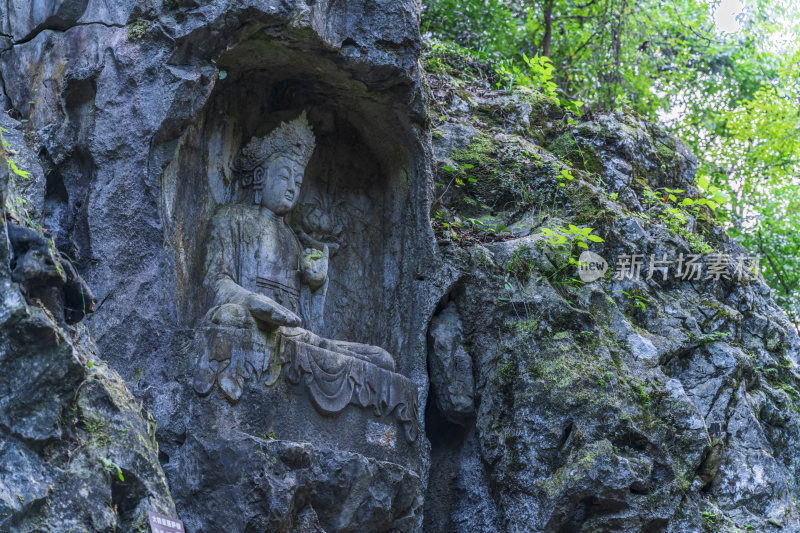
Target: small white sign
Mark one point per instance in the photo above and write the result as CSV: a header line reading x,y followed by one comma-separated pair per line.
x,y
160,523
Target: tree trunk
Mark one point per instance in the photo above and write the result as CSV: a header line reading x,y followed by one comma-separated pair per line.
x,y
547,40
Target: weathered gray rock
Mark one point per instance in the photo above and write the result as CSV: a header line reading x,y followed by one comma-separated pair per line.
x,y
138,112
75,451
671,406
47,275
342,491
621,405
451,367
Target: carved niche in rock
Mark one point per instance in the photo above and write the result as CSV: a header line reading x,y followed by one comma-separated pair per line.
x,y
269,285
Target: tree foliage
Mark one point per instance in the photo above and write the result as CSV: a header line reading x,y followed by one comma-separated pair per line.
x,y
733,97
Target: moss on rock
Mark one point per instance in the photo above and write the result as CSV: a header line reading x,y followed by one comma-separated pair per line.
x,y
577,152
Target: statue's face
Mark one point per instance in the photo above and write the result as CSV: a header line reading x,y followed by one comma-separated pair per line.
x,y
282,185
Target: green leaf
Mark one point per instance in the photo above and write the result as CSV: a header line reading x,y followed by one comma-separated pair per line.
x,y
22,173
595,238
111,466
720,197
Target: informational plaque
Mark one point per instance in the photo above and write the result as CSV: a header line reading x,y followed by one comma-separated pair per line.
x,y
164,524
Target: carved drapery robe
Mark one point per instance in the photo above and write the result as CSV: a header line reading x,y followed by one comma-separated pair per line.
x,y
334,381
250,248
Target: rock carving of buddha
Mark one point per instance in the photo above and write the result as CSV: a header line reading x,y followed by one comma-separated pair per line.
x,y
268,289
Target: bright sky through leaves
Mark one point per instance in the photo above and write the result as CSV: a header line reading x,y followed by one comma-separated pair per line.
x,y
725,16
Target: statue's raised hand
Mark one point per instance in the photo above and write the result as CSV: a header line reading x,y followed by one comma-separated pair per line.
x,y
314,266
270,311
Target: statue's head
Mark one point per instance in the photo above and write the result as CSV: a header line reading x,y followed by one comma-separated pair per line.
x,y
283,177
273,166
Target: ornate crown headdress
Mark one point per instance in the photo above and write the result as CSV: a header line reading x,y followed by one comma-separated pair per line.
x,y
294,140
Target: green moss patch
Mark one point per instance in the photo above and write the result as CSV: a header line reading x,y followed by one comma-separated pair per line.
x,y
578,152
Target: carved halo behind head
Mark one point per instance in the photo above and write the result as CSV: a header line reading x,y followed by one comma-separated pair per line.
x,y
294,140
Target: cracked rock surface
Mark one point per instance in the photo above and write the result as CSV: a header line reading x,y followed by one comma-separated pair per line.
x,y
129,114
77,453
635,404
631,403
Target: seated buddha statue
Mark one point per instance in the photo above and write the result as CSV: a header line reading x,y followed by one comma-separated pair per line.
x,y
263,280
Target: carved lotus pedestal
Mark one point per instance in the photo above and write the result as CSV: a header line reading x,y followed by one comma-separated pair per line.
x,y
304,393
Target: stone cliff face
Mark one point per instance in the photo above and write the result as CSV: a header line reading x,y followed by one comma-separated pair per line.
x,y
650,401
76,451
130,117
543,403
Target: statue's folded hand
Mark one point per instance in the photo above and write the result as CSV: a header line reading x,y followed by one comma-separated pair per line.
x,y
270,311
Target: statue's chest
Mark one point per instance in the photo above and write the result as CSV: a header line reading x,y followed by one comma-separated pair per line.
x,y
273,271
